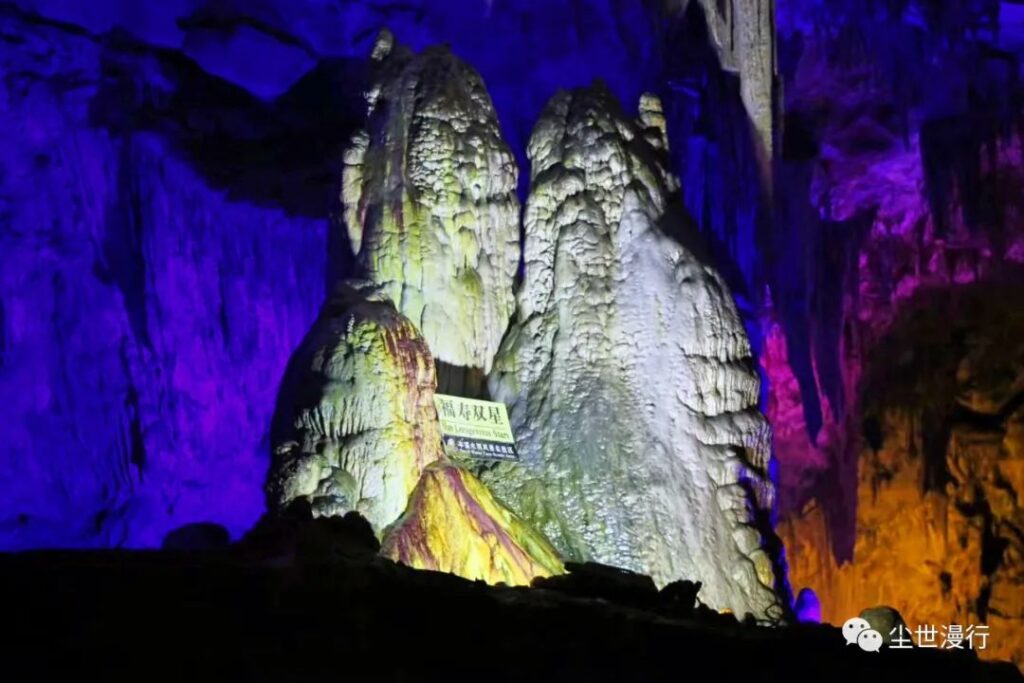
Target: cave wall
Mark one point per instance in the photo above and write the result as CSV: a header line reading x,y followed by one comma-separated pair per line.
x,y
169,204
939,474
147,317
903,129
168,214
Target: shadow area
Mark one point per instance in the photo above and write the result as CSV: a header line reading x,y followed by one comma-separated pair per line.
x,y
283,153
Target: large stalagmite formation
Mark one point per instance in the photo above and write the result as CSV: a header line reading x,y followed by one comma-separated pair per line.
x,y
431,209
430,201
355,425
627,371
356,429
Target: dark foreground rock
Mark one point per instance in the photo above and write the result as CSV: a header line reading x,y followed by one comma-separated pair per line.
x,y
358,617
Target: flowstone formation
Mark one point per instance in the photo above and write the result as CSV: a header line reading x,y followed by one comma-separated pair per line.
x,y
355,423
430,201
356,428
627,371
455,525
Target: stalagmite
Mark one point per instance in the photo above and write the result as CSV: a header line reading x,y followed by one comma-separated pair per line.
x,y
454,524
430,201
627,370
356,423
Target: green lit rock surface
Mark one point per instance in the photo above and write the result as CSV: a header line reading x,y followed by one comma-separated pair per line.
x,y
430,201
627,370
355,423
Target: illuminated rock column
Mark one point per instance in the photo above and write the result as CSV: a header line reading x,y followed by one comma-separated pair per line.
x,y
744,35
628,371
430,201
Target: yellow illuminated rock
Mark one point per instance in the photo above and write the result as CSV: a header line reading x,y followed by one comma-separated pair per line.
x,y
357,416
453,524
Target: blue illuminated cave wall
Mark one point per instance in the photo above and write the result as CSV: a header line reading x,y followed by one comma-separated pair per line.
x,y
169,172
147,313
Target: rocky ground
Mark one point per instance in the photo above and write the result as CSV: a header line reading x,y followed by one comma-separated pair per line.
x,y
315,602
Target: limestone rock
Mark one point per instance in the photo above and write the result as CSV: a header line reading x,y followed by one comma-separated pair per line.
x,y
619,586
294,537
430,201
744,37
356,422
454,524
197,536
628,371
887,621
938,516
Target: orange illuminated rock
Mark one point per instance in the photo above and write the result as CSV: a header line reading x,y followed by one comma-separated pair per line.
x,y
940,491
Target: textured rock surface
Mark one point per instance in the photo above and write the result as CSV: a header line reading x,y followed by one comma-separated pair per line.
x,y
205,138
454,524
145,316
355,423
744,36
627,371
911,174
939,519
430,201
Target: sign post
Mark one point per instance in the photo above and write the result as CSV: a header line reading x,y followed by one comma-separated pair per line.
x,y
477,428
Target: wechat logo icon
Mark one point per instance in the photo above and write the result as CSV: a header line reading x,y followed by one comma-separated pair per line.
x,y
858,631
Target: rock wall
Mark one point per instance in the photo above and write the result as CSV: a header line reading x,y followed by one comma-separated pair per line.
x,y
743,32
430,201
940,475
147,316
627,370
148,149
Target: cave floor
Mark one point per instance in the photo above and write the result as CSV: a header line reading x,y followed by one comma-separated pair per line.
x,y
223,615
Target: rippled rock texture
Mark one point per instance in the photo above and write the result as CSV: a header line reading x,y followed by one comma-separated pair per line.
x,y
356,431
356,423
627,370
430,201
